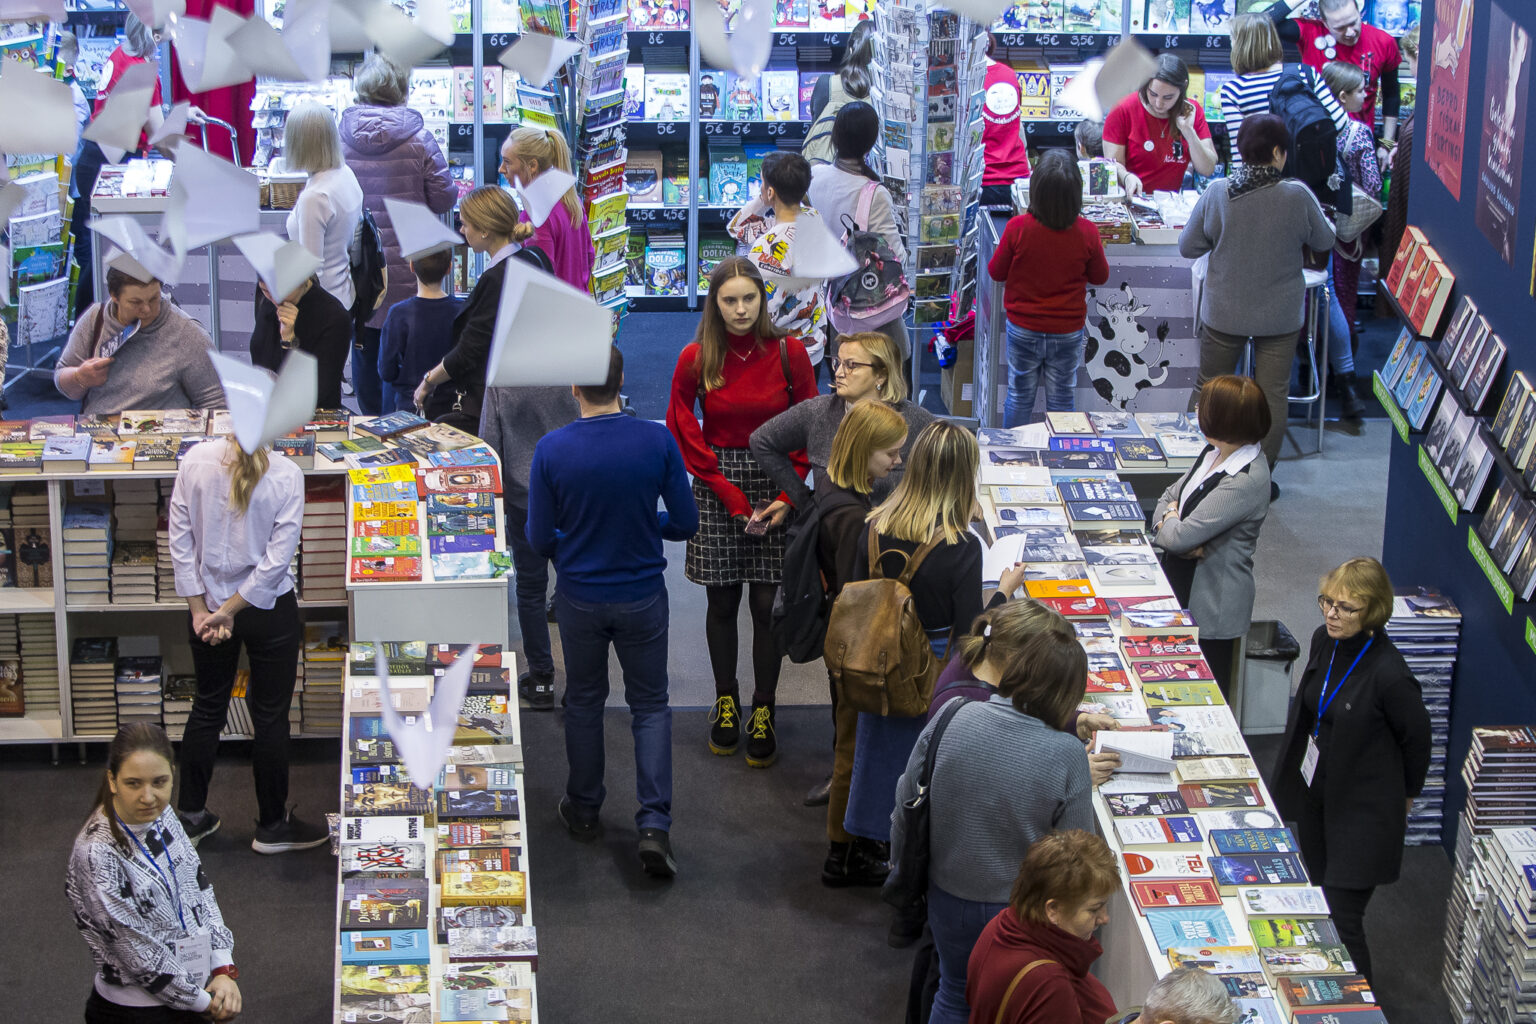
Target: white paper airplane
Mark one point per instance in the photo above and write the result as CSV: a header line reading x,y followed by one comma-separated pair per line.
x,y
174,125
537,56
41,113
281,265
544,193
536,307
262,409
406,41
33,10
211,200
745,50
1106,81
123,117
129,236
816,254
155,13
300,53
204,53
119,260
418,231
423,744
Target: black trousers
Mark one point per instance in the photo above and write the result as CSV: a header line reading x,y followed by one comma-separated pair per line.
x,y
103,1011
1218,655
271,640
1348,909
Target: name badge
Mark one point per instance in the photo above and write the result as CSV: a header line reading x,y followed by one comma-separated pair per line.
x,y
195,954
1309,761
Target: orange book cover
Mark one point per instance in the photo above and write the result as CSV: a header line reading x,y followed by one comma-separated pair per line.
x,y
1058,588
1400,262
1408,288
1433,296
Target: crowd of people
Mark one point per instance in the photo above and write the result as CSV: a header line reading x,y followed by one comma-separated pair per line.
x,y
764,475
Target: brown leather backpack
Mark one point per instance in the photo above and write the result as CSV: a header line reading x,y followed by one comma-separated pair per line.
x,y
876,649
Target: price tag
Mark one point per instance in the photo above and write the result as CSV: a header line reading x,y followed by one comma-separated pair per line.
x,y
778,129
1047,40
463,131
785,39
713,127
833,39
498,39
666,128
1170,42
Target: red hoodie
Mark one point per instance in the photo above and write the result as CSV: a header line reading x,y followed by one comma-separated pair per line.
x,y
1061,992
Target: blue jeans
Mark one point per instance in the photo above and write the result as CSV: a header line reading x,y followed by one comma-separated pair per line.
x,y
365,371
638,632
956,925
1059,355
881,749
530,580
1341,357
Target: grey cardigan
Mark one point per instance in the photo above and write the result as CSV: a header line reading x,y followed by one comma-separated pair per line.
x,y
512,420
1002,779
165,365
812,425
1254,286
1226,524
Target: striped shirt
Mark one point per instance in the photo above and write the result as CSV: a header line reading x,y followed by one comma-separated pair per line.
x,y
1246,95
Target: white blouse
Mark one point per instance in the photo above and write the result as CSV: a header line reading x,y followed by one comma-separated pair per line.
x,y
325,220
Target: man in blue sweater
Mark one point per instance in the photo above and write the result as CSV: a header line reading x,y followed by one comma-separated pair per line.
x,y
592,510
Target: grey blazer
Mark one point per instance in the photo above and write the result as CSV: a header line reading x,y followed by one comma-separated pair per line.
x,y
1226,524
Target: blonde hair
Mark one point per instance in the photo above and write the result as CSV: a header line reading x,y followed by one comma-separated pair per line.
x,y
1408,42
938,490
1367,580
246,471
887,361
491,210
709,364
1255,43
311,141
380,82
870,426
1342,77
546,148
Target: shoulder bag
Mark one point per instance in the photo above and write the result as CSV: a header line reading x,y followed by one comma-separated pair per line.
x,y
1002,1008
907,885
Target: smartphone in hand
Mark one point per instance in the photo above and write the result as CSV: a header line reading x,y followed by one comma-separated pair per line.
x,y
758,526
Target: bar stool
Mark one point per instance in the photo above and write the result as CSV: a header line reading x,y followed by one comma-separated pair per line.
x,y
1319,294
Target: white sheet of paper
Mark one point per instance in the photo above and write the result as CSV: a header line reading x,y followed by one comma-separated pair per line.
x,y
282,265
543,194
211,200
47,124
403,40
418,230
119,260
536,307
204,53
122,119
155,13
1125,67
275,55
5,279
745,49
12,195
816,254
537,56
347,34
175,123
131,238
261,408
32,10
423,744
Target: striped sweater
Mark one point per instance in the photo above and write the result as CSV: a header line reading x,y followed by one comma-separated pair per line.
x,y
1247,95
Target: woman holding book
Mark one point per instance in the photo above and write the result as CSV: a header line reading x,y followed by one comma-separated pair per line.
x,y
1356,750
234,527
1007,771
163,953
1206,524
308,319
739,373
528,154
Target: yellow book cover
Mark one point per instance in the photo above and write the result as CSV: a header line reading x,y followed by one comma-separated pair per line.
x,y
400,473
1058,588
484,888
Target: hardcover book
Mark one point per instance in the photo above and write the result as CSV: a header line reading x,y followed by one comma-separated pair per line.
x,y
1190,892
477,803
395,903
1303,901
392,830
1190,926
1105,512
1175,831
386,946
1215,959
1253,841
1293,931
1287,960
1166,865
508,942
461,479
484,888
474,917
385,798
1222,794
1258,869
391,424
482,832
1069,423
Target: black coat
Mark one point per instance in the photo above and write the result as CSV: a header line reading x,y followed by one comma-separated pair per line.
x,y
1376,757
323,328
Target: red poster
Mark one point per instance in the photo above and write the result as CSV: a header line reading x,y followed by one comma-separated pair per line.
x,y
1450,66
1503,145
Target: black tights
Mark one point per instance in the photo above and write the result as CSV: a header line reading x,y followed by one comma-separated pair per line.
x,y
720,634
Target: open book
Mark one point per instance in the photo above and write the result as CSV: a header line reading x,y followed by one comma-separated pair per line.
x,y
1139,751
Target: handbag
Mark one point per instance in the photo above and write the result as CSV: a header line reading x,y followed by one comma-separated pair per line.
x,y
907,885
1366,211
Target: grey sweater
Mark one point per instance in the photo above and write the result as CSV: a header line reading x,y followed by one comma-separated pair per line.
x,y
812,425
165,365
1254,285
1002,780
512,420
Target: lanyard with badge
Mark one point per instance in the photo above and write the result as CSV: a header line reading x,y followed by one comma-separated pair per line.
x,y
193,952
1324,702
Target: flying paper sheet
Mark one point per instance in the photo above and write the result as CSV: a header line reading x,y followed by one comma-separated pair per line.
x,y
418,230
32,10
281,265
536,309
121,121
174,125
405,41
48,124
423,745
537,56
300,53
12,195
347,35
746,49
119,260
816,254
262,409
544,193
204,53
1106,81
131,238
155,13
983,12
211,200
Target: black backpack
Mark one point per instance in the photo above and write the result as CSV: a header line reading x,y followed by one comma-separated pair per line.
x,y
1314,156
801,606
370,270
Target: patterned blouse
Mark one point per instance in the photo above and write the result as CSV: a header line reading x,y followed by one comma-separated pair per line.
x,y
1357,151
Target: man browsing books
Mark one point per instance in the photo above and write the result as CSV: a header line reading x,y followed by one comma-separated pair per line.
x,y
592,497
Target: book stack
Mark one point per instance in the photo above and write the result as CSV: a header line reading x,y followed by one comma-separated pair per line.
x,y
10,653
386,494
91,685
1420,281
87,530
323,540
33,536
324,661
165,569
137,680
135,511
176,698
1500,775
133,572
39,654
1426,627
1490,964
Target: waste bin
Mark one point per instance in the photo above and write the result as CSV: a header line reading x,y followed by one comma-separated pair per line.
x,y
1263,691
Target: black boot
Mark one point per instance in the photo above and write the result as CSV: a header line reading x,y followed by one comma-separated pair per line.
x,y
725,725
762,747
1354,407
834,870
820,794
907,926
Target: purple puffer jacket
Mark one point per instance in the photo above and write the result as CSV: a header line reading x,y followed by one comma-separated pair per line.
x,y
393,155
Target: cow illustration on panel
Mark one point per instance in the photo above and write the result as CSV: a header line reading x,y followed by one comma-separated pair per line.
x,y
1116,343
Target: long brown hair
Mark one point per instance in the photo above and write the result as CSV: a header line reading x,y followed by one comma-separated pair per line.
x,y
710,337
938,490
245,473
130,740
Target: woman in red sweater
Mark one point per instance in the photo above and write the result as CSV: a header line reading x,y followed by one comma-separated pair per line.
x,y
741,374
1030,965
1046,260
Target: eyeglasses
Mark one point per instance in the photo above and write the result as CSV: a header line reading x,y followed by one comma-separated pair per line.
x,y
839,365
1328,604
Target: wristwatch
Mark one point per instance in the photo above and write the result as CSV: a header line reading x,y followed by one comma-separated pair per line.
x,y
228,970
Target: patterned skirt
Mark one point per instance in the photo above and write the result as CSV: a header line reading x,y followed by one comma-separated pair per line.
x,y
721,554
